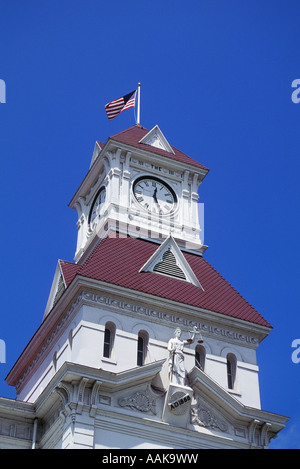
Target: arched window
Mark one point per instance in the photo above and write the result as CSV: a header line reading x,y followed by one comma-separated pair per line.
x,y
142,347
109,337
200,357
231,370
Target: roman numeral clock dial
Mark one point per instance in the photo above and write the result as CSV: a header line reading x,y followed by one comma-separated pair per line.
x,y
154,195
97,208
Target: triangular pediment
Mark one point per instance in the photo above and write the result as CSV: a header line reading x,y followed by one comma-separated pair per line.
x,y
57,289
205,414
155,138
169,260
216,410
97,150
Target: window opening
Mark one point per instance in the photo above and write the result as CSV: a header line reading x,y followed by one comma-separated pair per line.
x,y
142,346
231,371
106,350
140,351
200,357
109,335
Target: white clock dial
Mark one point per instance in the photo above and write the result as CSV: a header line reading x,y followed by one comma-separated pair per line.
x,y
154,195
97,206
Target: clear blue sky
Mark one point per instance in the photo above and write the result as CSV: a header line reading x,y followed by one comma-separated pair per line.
x,y
216,77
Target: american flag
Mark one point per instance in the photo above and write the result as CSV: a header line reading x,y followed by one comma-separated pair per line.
x,y
119,105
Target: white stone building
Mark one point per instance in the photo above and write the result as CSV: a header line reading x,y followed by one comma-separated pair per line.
x,y
96,372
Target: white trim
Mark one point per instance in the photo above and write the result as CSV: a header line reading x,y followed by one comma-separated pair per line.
x,y
181,261
96,152
155,138
57,275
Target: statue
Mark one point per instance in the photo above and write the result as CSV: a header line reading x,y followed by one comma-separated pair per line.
x,y
176,357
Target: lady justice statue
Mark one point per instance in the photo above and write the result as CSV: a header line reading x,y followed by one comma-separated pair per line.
x,y
176,357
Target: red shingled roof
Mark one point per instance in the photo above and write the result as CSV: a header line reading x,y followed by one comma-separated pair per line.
x,y
134,134
118,261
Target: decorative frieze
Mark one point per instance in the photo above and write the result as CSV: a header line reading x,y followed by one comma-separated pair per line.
x,y
170,318
159,169
143,401
204,417
140,311
15,430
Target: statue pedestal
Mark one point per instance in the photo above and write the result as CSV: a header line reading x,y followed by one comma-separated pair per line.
x,y
177,405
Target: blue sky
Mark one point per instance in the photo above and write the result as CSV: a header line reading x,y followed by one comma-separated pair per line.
x,y
216,77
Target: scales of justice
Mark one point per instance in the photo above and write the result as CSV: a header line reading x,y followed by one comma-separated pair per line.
x,y
176,357
179,395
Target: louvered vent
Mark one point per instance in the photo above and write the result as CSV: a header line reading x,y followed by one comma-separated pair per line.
x,y
59,291
168,266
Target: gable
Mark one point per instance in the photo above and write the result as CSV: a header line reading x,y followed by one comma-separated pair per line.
x,y
168,260
125,262
57,289
155,138
97,150
215,410
135,135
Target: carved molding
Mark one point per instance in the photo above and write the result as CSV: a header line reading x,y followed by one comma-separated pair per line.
x,y
143,401
260,434
204,417
142,311
10,428
168,317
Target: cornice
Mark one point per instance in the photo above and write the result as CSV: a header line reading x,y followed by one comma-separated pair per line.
x,y
12,407
70,374
199,380
88,291
155,158
161,307
72,379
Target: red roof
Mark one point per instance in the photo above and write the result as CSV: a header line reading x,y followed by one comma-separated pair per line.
x,y
134,134
118,260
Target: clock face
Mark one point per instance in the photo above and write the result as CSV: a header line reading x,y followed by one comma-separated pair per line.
x,y
154,195
97,207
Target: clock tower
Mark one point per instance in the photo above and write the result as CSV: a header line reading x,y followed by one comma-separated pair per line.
x,y
143,344
138,184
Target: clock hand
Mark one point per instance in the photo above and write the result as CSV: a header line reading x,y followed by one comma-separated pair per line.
x,y
154,196
155,199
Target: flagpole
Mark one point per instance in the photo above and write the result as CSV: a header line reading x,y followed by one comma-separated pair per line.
x,y
138,104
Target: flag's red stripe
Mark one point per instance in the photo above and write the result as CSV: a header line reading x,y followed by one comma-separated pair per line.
x,y
117,106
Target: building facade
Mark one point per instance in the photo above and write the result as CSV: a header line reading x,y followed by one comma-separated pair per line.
x,y
143,344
